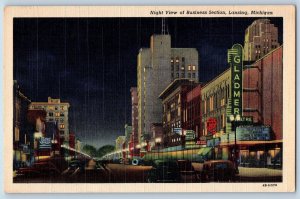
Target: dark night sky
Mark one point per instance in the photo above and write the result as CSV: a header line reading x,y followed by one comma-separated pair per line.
x,y
91,62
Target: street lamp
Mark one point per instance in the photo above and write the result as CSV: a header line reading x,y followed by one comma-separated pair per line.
x,y
158,141
234,119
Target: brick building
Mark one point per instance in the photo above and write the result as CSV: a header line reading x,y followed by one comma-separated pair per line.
x,y
173,101
192,111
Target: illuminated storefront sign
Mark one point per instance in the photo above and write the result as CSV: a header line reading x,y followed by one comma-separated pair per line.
x,y
45,143
190,135
211,125
235,60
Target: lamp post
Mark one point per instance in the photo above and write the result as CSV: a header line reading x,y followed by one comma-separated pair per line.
x,y
235,119
158,141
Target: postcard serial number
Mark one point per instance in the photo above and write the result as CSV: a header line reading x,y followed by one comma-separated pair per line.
x,y
269,185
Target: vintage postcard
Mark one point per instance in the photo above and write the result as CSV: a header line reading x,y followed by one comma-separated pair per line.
x,y
149,99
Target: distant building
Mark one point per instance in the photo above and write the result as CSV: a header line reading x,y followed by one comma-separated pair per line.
x,y
21,130
173,101
261,37
157,136
120,142
56,111
128,132
157,67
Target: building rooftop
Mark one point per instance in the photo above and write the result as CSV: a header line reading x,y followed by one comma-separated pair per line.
x,y
175,84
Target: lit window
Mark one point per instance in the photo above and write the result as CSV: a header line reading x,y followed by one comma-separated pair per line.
x,y
57,114
189,67
62,126
177,60
194,67
51,108
182,67
172,60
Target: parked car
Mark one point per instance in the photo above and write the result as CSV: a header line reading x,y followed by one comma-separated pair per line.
x,y
164,171
187,171
218,170
39,169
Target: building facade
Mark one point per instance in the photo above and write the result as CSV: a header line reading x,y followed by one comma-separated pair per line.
x,y
261,37
262,102
157,67
58,112
173,102
134,114
21,129
192,111
120,143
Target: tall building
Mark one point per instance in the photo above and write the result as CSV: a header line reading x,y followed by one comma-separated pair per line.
x,y
261,37
157,67
57,111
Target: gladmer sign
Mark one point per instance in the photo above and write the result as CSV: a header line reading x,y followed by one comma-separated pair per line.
x,y
235,60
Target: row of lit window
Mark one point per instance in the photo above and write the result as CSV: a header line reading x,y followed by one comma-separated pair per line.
x,y
176,139
190,75
177,59
56,108
176,124
211,104
57,114
189,67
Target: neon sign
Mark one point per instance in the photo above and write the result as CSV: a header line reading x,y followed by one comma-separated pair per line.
x,y
235,60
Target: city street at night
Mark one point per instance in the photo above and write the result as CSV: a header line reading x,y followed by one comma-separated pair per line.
x,y
120,173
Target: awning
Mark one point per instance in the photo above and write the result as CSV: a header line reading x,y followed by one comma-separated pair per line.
x,y
204,151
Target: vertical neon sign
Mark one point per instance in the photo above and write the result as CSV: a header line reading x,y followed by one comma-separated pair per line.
x,y
235,60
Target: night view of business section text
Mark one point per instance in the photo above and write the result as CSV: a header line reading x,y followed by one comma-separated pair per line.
x,y
148,100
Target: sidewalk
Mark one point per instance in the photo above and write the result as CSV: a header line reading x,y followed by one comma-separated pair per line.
x,y
259,172
249,172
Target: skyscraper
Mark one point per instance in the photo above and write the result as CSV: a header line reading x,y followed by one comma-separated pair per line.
x,y
157,67
261,37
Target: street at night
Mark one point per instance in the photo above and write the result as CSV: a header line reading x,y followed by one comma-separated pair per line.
x,y
120,173
148,103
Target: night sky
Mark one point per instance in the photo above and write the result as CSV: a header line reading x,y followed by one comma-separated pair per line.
x,y
91,62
